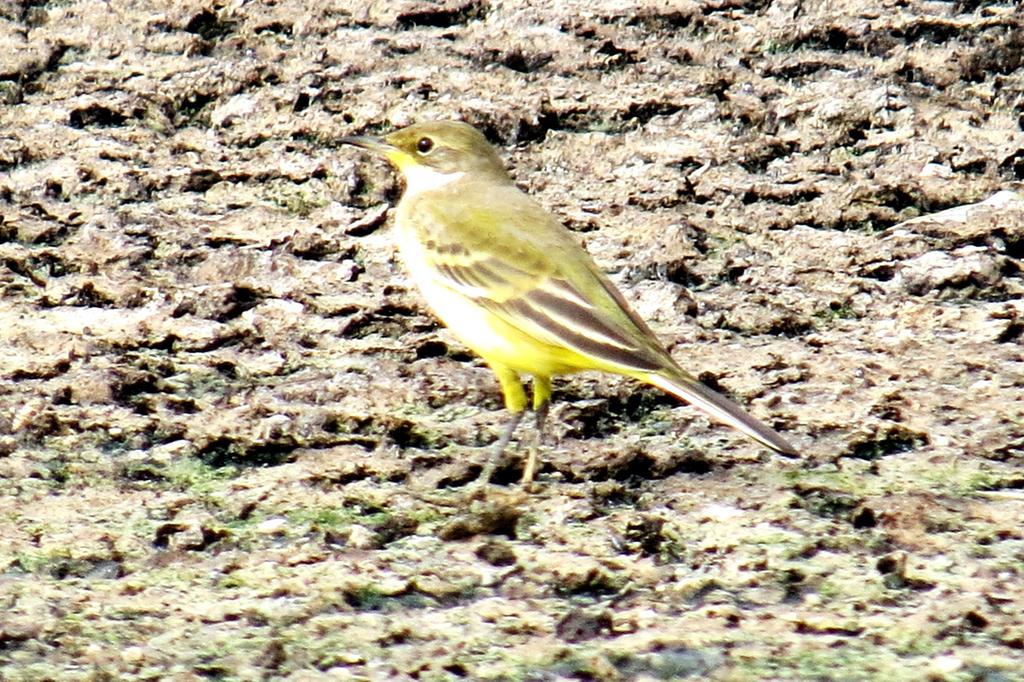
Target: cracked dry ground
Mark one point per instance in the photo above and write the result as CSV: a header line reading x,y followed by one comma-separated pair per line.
x,y
233,440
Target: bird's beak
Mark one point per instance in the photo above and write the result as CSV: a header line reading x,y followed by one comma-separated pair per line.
x,y
373,144
377,145
380,146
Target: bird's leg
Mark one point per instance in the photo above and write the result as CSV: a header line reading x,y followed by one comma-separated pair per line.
x,y
515,402
541,401
499,449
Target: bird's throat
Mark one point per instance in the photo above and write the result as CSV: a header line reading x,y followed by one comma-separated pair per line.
x,y
420,179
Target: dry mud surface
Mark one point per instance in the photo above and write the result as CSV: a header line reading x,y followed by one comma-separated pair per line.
x,y
233,441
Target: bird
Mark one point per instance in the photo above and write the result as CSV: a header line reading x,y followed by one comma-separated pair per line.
x,y
515,286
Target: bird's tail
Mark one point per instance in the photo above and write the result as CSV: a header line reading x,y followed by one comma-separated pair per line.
x,y
689,389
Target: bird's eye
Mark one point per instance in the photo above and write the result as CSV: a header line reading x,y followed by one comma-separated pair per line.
x,y
424,145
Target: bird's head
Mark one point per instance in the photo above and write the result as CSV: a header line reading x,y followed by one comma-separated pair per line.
x,y
435,153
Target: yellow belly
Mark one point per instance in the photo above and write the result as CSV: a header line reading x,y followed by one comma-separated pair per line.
x,y
494,339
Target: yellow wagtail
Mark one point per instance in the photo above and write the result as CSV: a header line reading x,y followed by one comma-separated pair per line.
x,y
516,287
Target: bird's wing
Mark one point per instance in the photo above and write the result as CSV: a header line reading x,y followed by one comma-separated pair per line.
x,y
529,271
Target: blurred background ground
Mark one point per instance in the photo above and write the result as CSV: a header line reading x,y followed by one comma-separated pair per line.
x,y
233,439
